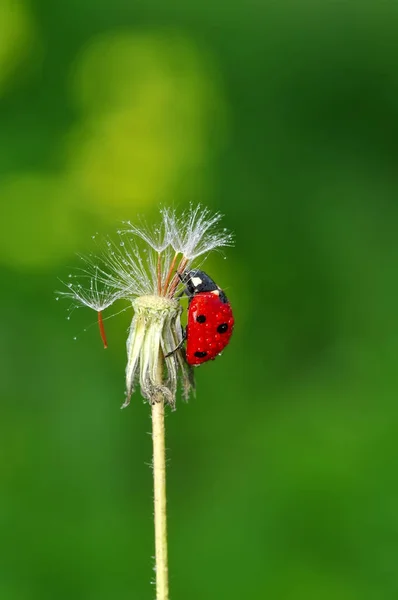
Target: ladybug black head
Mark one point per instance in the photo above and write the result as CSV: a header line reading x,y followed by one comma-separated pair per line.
x,y
198,281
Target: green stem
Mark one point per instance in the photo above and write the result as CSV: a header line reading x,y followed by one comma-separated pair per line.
x,y
159,485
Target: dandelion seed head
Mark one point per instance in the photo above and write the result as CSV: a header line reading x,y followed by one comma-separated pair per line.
x,y
144,265
120,269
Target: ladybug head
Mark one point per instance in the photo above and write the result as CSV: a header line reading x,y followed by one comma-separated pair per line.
x,y
198,281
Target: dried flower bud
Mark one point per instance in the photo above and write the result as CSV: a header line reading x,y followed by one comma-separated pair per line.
x,y
155,331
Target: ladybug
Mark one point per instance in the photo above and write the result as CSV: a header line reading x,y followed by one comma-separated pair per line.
x,y
210,319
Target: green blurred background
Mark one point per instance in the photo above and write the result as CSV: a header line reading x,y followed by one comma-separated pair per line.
x,y
282,478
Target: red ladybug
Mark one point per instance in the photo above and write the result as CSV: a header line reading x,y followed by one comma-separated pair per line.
x,y
210,319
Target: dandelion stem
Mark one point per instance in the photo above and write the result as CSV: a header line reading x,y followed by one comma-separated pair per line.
x,y
159,484
102,329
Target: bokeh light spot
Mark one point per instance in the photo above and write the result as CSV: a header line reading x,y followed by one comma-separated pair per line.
x,y
152,109
17,37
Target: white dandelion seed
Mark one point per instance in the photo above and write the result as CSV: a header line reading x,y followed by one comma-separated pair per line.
x,y
149,278
127,270
98,295
195,232
157,237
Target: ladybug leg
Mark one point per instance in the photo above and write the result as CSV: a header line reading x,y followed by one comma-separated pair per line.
x,y
184,337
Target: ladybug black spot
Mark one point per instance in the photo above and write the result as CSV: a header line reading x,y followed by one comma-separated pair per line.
x,y
222,328
201,318
200,354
